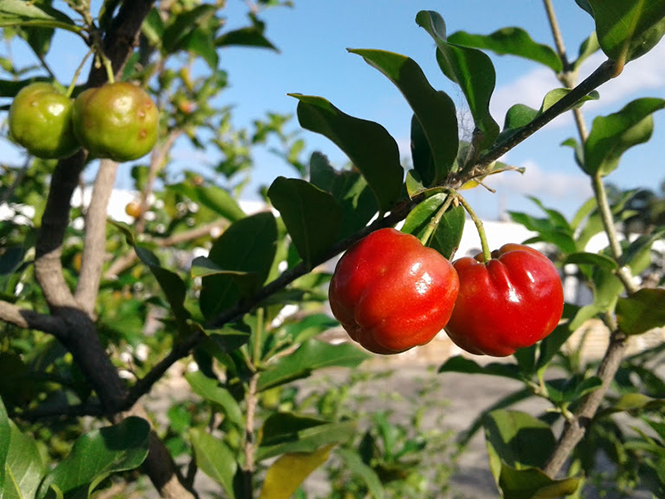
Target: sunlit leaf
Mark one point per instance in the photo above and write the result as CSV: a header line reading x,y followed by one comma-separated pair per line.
x,y
287,473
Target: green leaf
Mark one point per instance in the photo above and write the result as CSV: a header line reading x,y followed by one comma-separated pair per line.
x,y
22,13
308,327
212,197
511,41
350,190
639,250
98,454
312,216
518,439
630,402
614,134
184,24
285,432
567,390
550,345
171,283
518,116
511,399
459,364
595,259
367,144
214,458
210,390
250,36
628,30
448,233
310,356
24,467
434,110
357,467
533,483
417,220
248,245
5,441
287,473
471,69
642,311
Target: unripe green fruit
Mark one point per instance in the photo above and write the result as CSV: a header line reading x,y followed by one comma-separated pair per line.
x,y
40,119
118,121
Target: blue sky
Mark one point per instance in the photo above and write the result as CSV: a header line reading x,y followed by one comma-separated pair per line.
x,y
313,37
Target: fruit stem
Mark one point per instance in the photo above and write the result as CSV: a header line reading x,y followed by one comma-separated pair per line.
x,y
72,85
435,220
487,254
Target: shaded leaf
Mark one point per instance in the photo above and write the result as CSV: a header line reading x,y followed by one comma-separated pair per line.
x,y
285,432
461,364
642,311
350,190
214,458
310,356
596,259
512,41
533,483
248,245
434,111
628,30
367,144
210,390
98,454
312,216
471,69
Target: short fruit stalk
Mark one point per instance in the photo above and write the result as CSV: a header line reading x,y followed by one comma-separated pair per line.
x,y
510,300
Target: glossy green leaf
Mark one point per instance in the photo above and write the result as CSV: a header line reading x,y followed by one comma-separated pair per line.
x,y
311,215
22,13
448,233
212,197
434,110
210,390
417,220
421,156
642,311
214,458
308,327
628,30
566,390
471,69
248,245
5,441
287,473
597,259
350,190
614,134
310,356
284,432
24,468
511,41
533,483
367,144
98,454
518,116
517,439
459,364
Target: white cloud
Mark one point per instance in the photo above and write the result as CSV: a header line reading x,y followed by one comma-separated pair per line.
x,y
644,75
538,182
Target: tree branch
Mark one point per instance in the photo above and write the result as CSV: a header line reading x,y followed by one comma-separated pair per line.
x,y
29,319
94,247
576,427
